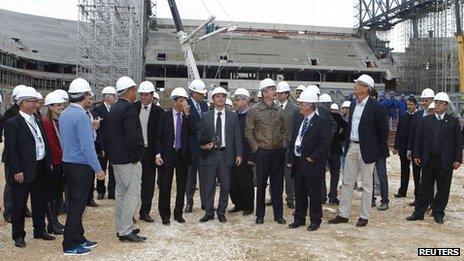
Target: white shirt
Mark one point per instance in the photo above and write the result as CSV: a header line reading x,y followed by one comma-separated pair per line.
x,y
39,142
197,107
357,113
283,104
299,138
108,107
144,116
223,124
440,115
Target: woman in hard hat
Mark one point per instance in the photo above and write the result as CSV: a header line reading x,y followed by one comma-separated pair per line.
x,y
55,105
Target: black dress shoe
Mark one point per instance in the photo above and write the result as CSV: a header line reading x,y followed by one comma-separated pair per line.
x,y
179,219
296,224
206,218
189,208
19,242
247,212
44,236
398,195
415,216
259,221
234,210
412,204
222,218
100,196
92,204
362,222
166,221
334,202
280,220
135,231
132,237
438,220
338,219
147,218
313,227
111,196
7,219
291,205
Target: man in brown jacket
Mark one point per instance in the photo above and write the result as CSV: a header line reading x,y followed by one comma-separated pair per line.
x,y
265,132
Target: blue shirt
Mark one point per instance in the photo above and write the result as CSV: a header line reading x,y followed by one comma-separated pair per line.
x,y
76,137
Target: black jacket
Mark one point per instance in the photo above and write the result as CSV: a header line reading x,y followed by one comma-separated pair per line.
x,y
402,133
414,125
247,154
339,135
9,113
125,134
102,132
193,140
450,140
20,154
315,144
325,113
153,120
165,137
373,131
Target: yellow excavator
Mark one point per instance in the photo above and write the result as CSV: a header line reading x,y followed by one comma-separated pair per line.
x,y
460,43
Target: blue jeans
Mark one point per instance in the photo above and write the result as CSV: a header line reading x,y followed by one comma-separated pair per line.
x,y
381,167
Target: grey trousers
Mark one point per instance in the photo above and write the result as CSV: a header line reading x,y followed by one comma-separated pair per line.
x,y
355,165
128,186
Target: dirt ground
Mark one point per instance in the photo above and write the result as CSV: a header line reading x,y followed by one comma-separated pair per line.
x,y
387,236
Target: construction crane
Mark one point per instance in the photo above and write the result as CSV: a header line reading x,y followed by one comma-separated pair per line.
x,y
460,43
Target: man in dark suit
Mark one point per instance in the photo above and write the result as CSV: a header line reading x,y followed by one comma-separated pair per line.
x,y
95,120
149,115
401,147
438,149
308,158
197,89
221,142
366,143
427,96
28,160
102,110
173,152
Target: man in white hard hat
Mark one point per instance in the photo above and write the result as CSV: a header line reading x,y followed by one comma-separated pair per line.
x,y
334,108
198,105
426,99
102,110
290,112
80,162
40,103
299,89
149,114
345,111
308,158
266,134
221,142
365,144
241,181
126,150
28,159
173,153
438,149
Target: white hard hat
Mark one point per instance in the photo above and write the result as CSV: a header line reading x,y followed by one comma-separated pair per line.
x,y
146,87
39,96
218,90
242,91
79,85
229,102
26,92
308,96
283,87
178,92
62,93
325,98
301,87
17,89
198,85
53,98
156,95
268,82
109,90
431,106
442,96
124,83
314,88
334,106
346,104
366,79
427,93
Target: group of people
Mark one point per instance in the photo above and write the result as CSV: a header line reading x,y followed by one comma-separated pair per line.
x,y
272,144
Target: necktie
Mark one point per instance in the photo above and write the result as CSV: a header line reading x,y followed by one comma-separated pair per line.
x,y
282,106
146,107
219,129
177,138
303,130
440,117
198,108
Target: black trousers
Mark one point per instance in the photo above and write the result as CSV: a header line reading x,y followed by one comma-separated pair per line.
x,y
406,173
7,197
334,163
79,179
192,181
241,186
165,178
306,185
148,183
433,172
38,190
101,188
270,164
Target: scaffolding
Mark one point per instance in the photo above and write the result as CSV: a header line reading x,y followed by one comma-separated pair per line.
x,y
111,37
